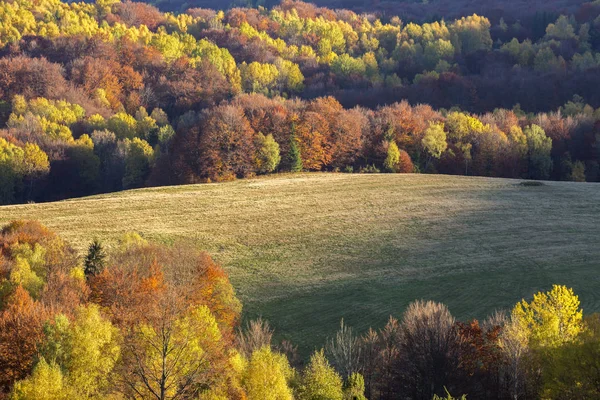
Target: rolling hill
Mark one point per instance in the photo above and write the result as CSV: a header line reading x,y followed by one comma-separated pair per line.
x,y
305,250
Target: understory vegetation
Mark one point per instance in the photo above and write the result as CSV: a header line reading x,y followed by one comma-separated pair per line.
x,y
104,96
142,320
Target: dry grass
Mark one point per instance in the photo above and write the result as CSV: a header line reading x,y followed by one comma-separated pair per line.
x,y
305,250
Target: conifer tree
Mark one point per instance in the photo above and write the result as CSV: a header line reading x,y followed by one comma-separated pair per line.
x,y
295,158
94,261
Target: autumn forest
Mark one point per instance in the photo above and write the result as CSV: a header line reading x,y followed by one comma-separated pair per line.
x,y
109,96
102,96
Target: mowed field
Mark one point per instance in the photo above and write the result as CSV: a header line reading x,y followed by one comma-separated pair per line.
x,y
305,250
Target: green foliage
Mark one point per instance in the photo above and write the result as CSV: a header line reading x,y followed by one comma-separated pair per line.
x,y
346,66
539,147
320,381
571,370
95,259
165,134
471,34
123,125
267,157
85,163
578,172
22,274
561,29
17,164
294,156
449,397
354,389
546,61
138,159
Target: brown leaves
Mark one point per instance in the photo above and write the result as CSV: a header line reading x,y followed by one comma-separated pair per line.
x,y
21,333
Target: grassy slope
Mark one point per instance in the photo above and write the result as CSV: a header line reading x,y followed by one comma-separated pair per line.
x,y
305,250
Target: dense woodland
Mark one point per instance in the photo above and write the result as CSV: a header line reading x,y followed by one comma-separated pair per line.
x,y
527,11
104,96
148,321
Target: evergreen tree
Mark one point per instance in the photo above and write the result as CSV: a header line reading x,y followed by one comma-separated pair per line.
x,y
94,261
295,158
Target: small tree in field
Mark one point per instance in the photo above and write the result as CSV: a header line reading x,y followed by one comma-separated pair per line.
x,y
95,258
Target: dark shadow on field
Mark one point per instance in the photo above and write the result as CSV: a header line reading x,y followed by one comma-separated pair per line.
x,y
308,319
485,258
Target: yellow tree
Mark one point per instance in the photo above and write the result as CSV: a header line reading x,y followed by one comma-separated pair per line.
x,y
77,360
267,376
45,383
172,356
320,381
552,318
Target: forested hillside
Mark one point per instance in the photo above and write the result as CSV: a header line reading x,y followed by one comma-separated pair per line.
x,y
148,321
528,11
97,97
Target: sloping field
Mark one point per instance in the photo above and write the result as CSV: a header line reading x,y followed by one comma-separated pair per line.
x,y
305,250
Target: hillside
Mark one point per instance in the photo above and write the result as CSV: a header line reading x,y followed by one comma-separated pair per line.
x,y
408,10
305,250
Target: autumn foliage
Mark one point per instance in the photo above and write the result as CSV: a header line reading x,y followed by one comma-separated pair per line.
x,y
117,95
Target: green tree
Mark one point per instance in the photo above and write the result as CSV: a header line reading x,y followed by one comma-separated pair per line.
x,y
545,60
320,381
573,370
84,166
561,29
123,125
539,147
354,389
267,153
18,164
471,34
449,397
138,160
11,157
346,66
577,172
95,259
294,156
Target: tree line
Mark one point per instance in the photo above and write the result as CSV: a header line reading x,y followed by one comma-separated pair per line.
x,y
98,97
147,321
253,135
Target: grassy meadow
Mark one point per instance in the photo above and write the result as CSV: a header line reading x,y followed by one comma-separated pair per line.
x,y
305,250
